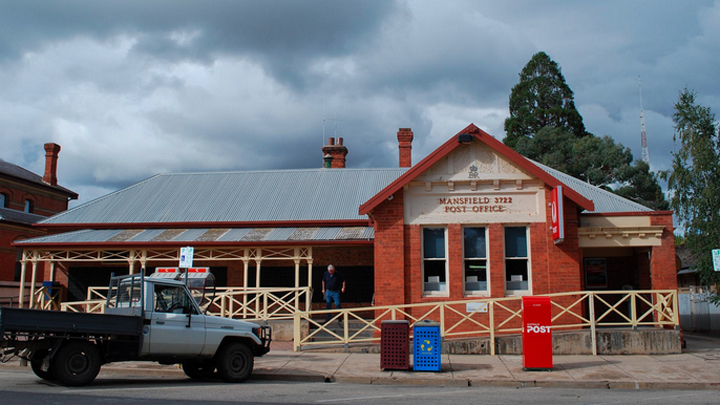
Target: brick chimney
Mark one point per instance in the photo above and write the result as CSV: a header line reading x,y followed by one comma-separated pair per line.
x,y
337,151
51,157
405,138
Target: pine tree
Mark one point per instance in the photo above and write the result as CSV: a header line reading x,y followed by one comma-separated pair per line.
x,y
541,99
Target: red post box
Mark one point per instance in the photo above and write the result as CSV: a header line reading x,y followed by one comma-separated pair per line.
x,y
536,333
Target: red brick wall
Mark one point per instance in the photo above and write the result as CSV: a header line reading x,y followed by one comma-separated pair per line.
x,y
61,275
8,254
496,259
413,267
455,261
413,264
662,260
44,202
390,251
342,257
562,261
398,251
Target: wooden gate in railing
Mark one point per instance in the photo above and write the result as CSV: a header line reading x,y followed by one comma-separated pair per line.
x,y
494,316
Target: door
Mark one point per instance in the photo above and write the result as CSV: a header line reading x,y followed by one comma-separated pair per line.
x,y
176,328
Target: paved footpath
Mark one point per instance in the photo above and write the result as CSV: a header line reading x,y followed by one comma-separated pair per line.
x,y
681,371
694,369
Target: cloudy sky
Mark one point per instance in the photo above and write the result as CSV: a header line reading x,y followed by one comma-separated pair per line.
x,y
134,88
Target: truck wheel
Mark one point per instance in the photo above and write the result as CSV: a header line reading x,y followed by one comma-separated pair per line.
x,y
198,369
36,363
76,363
235,362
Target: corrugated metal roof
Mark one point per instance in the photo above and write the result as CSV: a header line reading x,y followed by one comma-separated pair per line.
x,y
605,201
258,196
257,235
268,196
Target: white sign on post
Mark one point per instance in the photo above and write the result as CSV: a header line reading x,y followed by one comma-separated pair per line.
x,y
716,259
186,257
471,307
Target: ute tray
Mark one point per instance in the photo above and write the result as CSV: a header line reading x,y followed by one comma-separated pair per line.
x,y
55,322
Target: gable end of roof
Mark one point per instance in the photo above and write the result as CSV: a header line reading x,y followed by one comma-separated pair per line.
x,y
491,142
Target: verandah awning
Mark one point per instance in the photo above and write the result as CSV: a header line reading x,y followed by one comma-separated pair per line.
x,y
203,235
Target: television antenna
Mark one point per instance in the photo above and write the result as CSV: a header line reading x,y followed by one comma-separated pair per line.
x,y
643,133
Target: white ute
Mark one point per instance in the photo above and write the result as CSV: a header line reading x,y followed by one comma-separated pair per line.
x,y
154,318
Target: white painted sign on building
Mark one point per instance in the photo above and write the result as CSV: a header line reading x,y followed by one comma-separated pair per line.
x,y
471,307
474,185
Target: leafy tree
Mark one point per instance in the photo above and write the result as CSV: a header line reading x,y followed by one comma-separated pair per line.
x,y
642,186
541,99
599,161
695,181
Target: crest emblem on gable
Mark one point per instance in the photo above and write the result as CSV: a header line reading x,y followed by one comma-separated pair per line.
x,y
473,173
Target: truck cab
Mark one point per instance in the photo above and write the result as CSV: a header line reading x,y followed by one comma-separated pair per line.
x,y
175,324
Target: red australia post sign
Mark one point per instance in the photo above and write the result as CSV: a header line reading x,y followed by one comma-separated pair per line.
x,y
558,215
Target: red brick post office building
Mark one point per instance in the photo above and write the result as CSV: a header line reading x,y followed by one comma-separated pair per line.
x,y
472,219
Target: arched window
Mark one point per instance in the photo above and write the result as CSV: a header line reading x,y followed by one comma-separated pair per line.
x,y
3,200
28,206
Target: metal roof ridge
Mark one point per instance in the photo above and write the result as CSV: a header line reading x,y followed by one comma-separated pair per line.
x,y
309,170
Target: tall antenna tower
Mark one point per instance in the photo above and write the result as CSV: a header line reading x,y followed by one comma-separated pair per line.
x,y
643,134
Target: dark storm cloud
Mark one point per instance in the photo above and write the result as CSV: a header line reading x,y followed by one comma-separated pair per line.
x,y
286,37
132,88
284,34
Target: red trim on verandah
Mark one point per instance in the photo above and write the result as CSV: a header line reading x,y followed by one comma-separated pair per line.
x,y
494,144
146,245
188,225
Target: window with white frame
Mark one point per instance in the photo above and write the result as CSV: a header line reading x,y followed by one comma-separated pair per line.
x,y
475,260
3,200
28,206
517,263
434,261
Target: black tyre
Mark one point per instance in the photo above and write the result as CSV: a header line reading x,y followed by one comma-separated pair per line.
x,y
198,369
76,363
36,363
235,362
